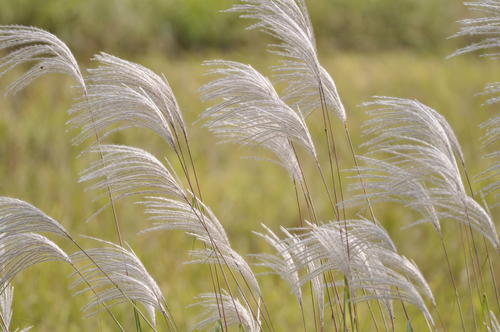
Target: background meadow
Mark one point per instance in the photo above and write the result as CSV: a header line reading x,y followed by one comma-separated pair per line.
x,y
371,47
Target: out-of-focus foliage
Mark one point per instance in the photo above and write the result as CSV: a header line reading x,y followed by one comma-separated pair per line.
x,y
382,24
131,26
39,165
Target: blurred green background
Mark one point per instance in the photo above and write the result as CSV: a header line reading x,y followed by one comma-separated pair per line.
x,y
371,47
171,26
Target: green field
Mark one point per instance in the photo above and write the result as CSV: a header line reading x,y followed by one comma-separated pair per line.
x,y
41,166
171,26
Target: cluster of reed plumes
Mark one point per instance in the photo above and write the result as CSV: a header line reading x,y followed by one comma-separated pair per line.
x,y
343,270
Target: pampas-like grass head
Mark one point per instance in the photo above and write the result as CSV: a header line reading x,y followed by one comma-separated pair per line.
x,y
33,45
309,84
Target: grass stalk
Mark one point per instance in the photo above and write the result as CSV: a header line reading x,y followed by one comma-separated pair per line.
x,y
116,285
486,248
307,195
303,316
466,248
452,278
200,208
111,201
356,164
108,310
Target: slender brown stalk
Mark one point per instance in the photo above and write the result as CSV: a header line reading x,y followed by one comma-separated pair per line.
x,y
329,136
108,189
108,310
317,318
486,248
466,248
335,290
307,195
303,316
181,158
407,315
213,270
334,205
113,282
439,318
326,120
372,314
301,219
200,217
457,297
474,253
218,253
306,191
351,148
218,295
214,275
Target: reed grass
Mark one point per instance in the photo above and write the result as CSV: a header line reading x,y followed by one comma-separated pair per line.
x,y
343,268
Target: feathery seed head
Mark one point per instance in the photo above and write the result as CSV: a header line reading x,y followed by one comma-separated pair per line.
x,y
309,84
33,45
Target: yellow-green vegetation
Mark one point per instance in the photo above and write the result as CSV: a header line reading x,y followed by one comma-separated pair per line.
x,y
40,165
170,26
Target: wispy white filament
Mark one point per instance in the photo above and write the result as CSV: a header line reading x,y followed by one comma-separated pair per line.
x,y
235,313
124,94
486,28
45,52
309,84
124,278
250,112
420,163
